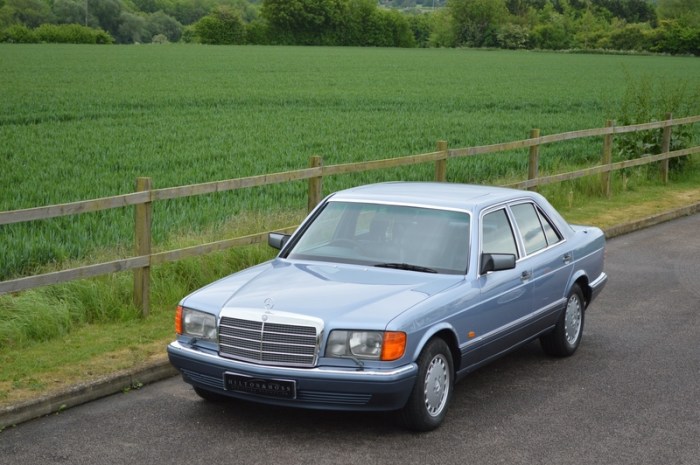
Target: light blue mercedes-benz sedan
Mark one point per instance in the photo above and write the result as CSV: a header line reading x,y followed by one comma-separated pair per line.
x,y
386,295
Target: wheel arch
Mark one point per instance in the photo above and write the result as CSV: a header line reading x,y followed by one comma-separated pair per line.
x,y
583,283
447,334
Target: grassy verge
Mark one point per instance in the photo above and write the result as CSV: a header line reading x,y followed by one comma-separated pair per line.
x,y
90,347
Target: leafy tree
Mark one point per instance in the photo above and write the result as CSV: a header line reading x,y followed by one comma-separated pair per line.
x,y
443,30
30,13
106,14
477,21
159,23
305,22
513,36
630,37
421,27
147,6
632,11
522,7
396,29
592,31
132,29
256,32
223,26
675,37
359,21
686,12
554,30
188,11
69,11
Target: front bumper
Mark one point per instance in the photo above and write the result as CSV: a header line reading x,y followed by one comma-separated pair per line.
x,y
326,388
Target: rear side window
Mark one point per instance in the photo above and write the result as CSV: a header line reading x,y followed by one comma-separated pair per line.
x,y
536,230
552,235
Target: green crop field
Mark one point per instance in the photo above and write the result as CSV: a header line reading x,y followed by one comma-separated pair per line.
x,y
81,122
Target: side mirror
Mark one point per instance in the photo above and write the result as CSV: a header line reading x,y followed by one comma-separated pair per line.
x,y
277,240
496,262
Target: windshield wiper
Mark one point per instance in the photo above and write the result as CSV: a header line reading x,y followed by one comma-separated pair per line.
x,y
406,266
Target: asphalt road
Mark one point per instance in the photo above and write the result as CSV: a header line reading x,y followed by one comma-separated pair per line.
x,y
630,395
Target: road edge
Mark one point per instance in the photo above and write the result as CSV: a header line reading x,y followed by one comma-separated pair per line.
x,y
134,378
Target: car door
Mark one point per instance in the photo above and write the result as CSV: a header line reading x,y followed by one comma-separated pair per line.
x,y
505,296
549,258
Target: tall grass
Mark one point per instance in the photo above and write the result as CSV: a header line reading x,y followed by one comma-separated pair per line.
x,y
79,122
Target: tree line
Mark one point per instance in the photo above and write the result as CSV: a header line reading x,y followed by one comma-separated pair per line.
x,y
661,26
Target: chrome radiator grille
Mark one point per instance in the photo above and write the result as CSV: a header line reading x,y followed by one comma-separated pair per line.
x,y
267,342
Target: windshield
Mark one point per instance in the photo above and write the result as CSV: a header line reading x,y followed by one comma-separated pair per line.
x,y
391,236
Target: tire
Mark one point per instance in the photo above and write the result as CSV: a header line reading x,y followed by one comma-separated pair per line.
x,y
430,398
566,336
210,396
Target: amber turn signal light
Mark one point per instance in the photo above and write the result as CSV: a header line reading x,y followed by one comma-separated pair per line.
x,y
178,320
393,346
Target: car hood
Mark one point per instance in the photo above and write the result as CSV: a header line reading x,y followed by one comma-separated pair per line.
x,y
345,294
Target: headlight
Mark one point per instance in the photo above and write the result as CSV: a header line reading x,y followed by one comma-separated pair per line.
x,y
196,324
367,345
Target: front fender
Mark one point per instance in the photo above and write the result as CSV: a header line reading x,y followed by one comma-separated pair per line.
x,y
442,328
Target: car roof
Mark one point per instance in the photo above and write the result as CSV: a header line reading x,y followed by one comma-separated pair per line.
x,y
469,197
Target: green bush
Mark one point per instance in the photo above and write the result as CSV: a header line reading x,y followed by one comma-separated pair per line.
x,y
189,34
513,36
649,100
421,27
160,39
223,26
20,34
256,32
552,36
72,34
630,37
675,38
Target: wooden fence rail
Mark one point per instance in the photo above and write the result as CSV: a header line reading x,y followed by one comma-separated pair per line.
x,y
143,199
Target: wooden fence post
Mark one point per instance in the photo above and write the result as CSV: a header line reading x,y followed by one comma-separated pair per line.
x,y
665,148
441,165
142,239
315,184
533,167
606,178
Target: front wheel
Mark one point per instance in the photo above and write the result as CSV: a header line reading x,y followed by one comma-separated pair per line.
x,y
566,336
428,402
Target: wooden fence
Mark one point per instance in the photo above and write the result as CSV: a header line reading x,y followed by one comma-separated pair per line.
x,y
145,195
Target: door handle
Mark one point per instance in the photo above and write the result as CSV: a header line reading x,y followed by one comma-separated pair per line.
x,y
567,258
525,275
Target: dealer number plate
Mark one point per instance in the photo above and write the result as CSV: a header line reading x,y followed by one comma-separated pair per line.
x,y
278,388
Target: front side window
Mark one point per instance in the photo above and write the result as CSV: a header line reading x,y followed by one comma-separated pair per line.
x,y
395,236
497,234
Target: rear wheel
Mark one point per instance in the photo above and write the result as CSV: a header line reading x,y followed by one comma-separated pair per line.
x,y
566,336
427,405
